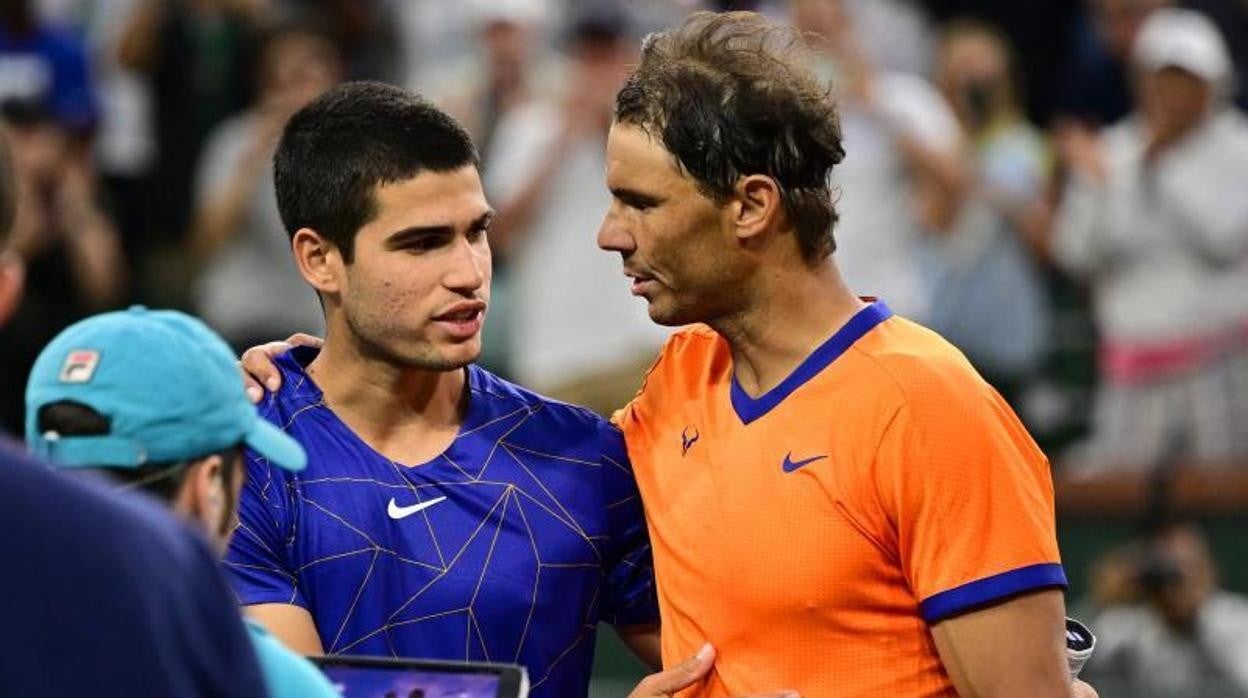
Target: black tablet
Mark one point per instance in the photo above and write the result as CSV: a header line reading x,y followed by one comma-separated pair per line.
x,y
383,677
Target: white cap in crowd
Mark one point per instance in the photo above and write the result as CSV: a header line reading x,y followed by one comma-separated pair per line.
x,y
1185,39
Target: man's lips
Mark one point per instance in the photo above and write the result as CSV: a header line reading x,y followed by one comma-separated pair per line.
x,y
641,283
462,320
461,312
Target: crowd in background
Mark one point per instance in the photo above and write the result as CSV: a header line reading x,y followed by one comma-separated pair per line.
x,y
1057,187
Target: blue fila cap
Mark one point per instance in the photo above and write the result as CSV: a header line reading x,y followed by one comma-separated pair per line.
x,y
169,387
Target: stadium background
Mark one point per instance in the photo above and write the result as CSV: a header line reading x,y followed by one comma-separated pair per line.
x,y
142,128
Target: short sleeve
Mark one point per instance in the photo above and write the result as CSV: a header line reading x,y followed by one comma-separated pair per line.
x,y
629,596
970,497
257,561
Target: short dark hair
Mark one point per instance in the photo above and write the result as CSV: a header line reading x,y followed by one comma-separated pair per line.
x,y
336,150
731,95
160,480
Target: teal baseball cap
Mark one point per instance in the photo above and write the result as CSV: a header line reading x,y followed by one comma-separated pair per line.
x,y
169,387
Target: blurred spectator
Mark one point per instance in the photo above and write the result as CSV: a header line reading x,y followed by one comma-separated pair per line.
x,y
249,288
124,146
1094,87
198,58
1155,220
902,176
988,295
1039,34
71,251
481,90
574,335
45,68
1167,629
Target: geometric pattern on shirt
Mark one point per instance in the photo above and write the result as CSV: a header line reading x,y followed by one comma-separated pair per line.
x,y
517,495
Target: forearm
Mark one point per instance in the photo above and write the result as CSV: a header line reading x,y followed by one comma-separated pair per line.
x,y
293,625
98,265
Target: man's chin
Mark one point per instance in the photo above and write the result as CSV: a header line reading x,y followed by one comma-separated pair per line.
x,y
666,315
443,358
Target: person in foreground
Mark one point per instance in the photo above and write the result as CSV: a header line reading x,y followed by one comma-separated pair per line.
x,y
881,513
99,584
152,399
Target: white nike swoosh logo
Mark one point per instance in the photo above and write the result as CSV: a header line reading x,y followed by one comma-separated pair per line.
x,y
397,512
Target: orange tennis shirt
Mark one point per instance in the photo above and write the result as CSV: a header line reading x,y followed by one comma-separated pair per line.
x,y
814,533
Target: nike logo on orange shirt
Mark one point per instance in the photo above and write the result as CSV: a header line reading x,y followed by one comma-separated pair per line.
x,y
397,512
790,465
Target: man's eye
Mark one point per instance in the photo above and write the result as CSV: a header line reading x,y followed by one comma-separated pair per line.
x,y
424,244
637,203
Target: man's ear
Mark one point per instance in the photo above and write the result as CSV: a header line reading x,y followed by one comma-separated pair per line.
x,y
319,260
12,281
202,496
759,205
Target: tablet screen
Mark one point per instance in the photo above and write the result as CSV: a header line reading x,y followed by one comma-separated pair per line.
x,y
358,678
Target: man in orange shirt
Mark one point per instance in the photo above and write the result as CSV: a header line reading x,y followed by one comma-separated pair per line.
x,y
837,502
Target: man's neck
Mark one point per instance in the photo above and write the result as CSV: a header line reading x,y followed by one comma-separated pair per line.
x,y
408,415
788,316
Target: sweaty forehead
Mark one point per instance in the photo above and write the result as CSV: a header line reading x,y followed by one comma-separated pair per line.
x,y
635,158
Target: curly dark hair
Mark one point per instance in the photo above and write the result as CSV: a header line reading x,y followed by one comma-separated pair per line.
x,y
731,94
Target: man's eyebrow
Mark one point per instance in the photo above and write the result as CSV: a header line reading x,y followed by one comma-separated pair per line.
x,y
406,235
626,194
401,237
483,221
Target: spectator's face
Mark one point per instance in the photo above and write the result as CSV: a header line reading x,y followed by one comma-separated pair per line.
x,y
416,290
507,45
1179,603
676,243
1173,99
974,77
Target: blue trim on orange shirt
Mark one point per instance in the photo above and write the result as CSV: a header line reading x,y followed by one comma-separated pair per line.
x,y
749,408
983,592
